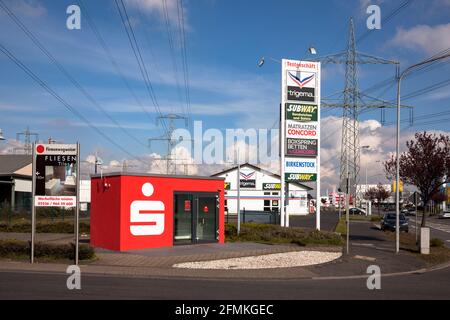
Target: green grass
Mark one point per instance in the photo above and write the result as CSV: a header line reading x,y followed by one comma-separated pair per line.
x,y
274,234
439,253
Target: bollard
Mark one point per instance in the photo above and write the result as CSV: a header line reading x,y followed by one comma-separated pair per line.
x,y
425,240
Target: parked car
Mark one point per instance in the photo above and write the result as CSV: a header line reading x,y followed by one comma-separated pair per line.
x,y
357,211
445,215
411,212
389,222
408,211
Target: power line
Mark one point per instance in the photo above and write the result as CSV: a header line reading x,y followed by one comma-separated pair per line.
x,y
68,106
137,54
172,50
55,62
110,56
386,19
180,9
114,63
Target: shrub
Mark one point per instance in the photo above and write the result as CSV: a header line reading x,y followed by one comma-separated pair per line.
x,y
435,242
276,234
16,248
57,227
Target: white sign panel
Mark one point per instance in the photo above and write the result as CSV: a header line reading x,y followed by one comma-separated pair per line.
x,y
304,130
300,165
56,149
57,201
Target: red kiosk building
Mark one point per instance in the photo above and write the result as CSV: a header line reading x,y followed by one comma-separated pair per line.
x,y
140,211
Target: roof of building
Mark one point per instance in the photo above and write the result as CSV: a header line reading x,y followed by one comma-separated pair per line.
x,y
267,172
10,164
158,175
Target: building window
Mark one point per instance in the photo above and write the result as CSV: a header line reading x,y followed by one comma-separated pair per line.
x,y
267,193
275,193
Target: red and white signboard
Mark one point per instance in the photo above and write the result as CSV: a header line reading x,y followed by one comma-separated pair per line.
x,y
304,130
56,176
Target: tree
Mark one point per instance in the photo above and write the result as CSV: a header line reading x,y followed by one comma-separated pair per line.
x,y
425,164
378,193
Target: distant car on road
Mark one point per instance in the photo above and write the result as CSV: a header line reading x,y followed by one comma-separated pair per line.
x,y
409,211
357,211
389,222
445,215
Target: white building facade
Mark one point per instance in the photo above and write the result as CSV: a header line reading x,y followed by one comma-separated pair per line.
x,y
260,191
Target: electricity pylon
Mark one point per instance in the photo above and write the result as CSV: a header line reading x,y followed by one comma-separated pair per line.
x,y
27,134
171,166
353,103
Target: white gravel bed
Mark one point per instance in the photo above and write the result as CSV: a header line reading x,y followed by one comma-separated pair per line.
x,y
267,261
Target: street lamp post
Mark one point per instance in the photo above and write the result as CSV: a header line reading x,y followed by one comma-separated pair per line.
x,y
365,187
400,76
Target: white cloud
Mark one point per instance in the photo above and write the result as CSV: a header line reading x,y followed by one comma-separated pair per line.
x,y
381,140
27,8
157,7
429,39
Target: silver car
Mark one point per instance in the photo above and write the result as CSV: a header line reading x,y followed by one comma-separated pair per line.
x,y
445,215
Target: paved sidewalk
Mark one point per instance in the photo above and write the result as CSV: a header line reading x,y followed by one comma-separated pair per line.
x,y
368,247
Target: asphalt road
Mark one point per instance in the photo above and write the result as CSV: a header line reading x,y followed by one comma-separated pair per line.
x,y
17,285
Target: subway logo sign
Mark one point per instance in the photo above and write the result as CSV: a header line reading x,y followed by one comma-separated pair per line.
x,y
300,177
301,112
271,186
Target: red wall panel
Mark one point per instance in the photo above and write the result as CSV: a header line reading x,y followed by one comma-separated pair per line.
x,y
126,216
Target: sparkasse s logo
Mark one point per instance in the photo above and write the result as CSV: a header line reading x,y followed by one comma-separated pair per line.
x,y
147,216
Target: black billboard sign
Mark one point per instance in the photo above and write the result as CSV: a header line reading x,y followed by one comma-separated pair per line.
x,y
301,94
249,183
56,175
301,147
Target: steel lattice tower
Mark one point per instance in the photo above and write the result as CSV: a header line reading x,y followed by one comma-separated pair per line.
x,y
353,103
350,151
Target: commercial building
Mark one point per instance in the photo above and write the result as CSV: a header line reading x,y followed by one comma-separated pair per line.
x,y
15,181
140,211
260,191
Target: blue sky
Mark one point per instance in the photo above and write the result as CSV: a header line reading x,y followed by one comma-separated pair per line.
x,y
224,40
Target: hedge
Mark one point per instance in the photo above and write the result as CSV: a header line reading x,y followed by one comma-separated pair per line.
x,y
17,248
276,234
57,227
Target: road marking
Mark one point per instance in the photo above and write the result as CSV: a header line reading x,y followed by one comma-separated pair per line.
x,y
365,258
437,226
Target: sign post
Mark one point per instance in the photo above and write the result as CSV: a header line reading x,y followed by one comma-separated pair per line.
x,y
300,129
33,209
77,213
56,182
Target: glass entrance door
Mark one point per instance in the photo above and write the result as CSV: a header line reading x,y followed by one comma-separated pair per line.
x,y
182,219
207,224
196,217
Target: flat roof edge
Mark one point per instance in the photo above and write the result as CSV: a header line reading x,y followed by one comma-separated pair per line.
x,y
156,175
